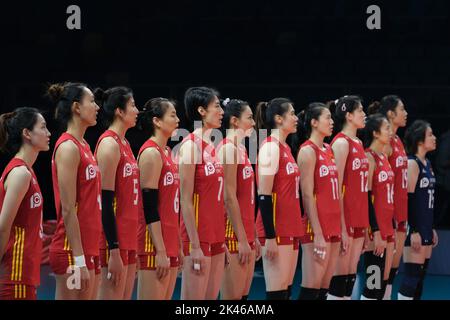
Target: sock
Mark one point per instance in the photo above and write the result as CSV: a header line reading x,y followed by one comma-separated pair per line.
x,y
308,294
338,286
388,292
276,295
402,297
351,279
383,289
322,294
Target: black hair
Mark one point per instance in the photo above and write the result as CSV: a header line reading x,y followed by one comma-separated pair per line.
x,y
373,123
155,107
195,97
63,95
110,100
387,103
266,112
12,125
313,111
232,108
414,134
340,107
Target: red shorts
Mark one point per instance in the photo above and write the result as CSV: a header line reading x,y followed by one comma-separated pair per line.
x,y
309,238
283,241
128,257
17,292
209,249
401,226
356,232
389,238
232,245
60,262
148,262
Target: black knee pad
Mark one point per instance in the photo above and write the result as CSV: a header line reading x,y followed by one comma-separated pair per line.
x,y
411,279
338,285
351,279
371,264
308,294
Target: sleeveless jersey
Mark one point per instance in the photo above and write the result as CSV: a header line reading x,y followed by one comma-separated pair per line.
x,y
88,201
245,193
326,186
285,195
126,198
383,194
209,208
354,186
21,261
422,221
168,205
399,164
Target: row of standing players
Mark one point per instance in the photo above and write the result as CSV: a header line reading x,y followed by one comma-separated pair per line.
x,y
346,201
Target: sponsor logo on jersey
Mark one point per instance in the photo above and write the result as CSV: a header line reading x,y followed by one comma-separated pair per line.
x,y
209,169
86,155
424,182
247,172
127,170
382,176
354,150
35,201
91,173
320,157
323,171
168,179
356,164
285,155
290,168
399,161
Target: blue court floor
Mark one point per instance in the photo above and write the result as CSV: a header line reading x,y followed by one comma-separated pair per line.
x,y
435,288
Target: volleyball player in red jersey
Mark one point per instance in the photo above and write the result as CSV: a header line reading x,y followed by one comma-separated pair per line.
x,y
160,253
201,196
279,218
380,250
393,109
353,170
239,196
24,134
77,189
120,194
320,194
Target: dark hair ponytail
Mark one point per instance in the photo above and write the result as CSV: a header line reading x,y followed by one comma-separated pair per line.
x,y
414,134
155,107
387,103
266,112
232,108
304,129
63,95
110,100
12,125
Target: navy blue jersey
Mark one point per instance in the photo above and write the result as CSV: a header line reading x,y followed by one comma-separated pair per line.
x,y
420,217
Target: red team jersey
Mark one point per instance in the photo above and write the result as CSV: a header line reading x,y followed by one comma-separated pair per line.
x,y
21,261
88,202
354,186
126,195
399,164
383,194
326,187
245,193
209,208
168,206
285,196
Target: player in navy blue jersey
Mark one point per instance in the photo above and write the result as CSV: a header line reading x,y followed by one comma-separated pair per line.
x,y
421,236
